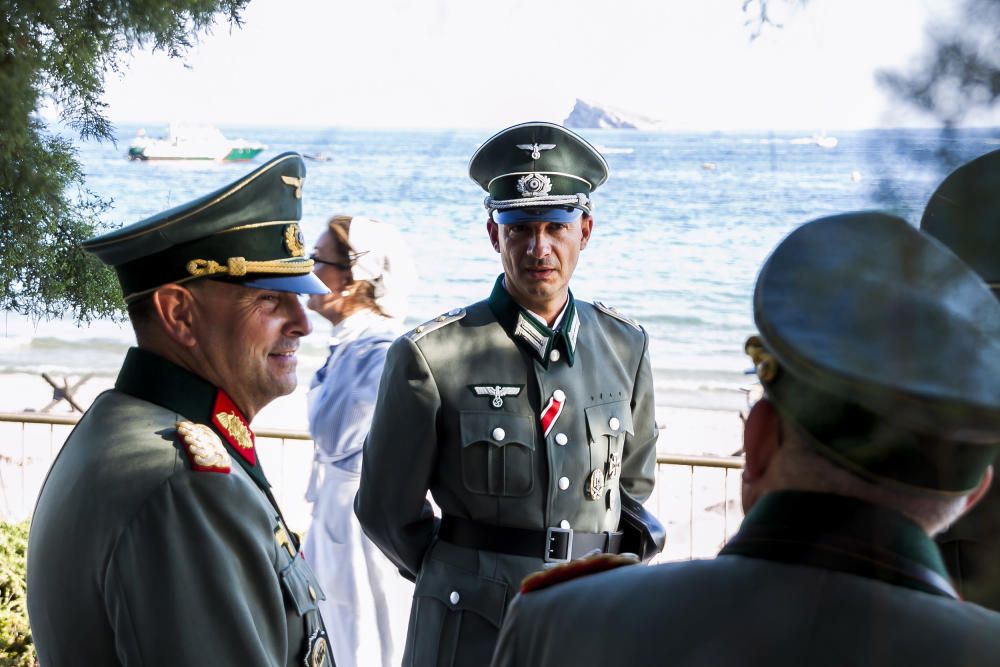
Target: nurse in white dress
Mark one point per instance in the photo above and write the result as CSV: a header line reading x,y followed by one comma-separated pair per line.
x,y
368,271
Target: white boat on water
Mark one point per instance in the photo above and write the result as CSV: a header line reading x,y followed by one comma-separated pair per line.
x,y
192,142
820,139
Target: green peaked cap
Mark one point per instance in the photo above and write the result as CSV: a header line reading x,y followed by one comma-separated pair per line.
x,y
245,232
885,347
964,214
538,171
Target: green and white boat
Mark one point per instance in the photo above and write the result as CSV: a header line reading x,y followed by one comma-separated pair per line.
x,y
192,142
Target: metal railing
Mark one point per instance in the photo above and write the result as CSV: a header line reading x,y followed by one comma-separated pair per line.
x,y
693,495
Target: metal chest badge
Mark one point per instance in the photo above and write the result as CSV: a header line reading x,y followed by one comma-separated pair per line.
x,y
318,654
595,484
498,392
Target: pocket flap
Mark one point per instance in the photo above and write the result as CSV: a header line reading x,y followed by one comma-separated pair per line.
x,y
609,419
497,428
462,591
301,586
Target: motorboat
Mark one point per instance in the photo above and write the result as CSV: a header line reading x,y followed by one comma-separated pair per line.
x,y
192,142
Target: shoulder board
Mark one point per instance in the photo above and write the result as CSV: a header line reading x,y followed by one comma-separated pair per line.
x,y
609,310
204,448
453,315
575,569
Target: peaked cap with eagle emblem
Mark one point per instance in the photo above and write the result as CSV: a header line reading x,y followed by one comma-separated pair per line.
x,y
246,232
538,171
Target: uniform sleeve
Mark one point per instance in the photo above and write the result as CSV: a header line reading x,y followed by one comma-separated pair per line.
x,y
639,455
399,457
192,579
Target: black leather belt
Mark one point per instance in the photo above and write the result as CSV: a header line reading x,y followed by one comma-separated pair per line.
x,y
553,545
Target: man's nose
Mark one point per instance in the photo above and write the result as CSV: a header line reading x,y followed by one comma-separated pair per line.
x,y
539,246
298,321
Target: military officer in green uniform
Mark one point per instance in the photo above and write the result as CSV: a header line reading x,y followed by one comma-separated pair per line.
x,y
879,354
156,539
528,415
964,214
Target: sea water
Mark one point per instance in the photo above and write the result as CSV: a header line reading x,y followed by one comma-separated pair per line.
x,y
681,228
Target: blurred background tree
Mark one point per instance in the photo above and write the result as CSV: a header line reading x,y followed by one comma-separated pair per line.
x,y
958,77
55,54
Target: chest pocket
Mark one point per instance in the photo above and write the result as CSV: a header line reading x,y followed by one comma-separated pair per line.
x,y
607,425
497,453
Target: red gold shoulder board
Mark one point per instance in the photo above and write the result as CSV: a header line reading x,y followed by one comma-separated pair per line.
x,y
575,569
204,448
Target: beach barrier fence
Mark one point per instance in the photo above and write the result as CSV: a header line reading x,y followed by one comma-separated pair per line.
x,y
696,497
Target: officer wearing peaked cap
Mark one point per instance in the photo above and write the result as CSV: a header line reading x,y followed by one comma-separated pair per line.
x,y
964,214
879,354
528,415
156,539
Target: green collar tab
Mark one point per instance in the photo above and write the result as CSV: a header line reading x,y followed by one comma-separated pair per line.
x,y
525,328
842,534
152,378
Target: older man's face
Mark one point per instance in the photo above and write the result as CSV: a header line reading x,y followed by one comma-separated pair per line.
x,y
247,338
539,259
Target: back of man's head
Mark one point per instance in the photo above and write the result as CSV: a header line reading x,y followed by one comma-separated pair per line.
x,y
880,353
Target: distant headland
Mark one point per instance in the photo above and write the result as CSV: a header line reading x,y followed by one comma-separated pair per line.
x,y
589,115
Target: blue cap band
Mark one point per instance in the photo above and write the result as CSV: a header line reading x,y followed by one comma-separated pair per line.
x,y
306,283
542,214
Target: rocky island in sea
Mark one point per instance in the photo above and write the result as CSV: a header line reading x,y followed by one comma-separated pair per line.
x,y
593,115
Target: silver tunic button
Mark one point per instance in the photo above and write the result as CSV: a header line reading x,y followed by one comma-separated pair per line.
x,y
561,439
454,597
614,423
499,433
564,524
554,355
564,483
559,395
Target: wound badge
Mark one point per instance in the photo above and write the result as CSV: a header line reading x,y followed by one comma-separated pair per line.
x,y
295,241
595,485
614,465
498,392
204,447
318,654
534,185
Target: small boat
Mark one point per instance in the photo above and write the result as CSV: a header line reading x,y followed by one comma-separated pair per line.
x,y
192,142
819,139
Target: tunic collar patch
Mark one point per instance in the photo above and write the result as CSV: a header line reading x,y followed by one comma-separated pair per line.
x,y
524,327
232,425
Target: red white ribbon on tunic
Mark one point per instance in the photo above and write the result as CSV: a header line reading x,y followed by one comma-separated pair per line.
x,y
551,413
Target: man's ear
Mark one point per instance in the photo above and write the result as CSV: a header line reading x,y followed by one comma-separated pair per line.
x,y
174,306
761,438
984,485
493,229
586,227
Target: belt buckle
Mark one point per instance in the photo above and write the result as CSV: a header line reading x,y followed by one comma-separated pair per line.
x,y
550,533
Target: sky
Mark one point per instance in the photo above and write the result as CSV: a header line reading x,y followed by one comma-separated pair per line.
x,y
471,63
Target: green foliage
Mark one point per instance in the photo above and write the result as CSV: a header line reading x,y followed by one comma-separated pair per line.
x,y
16,648
58,51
